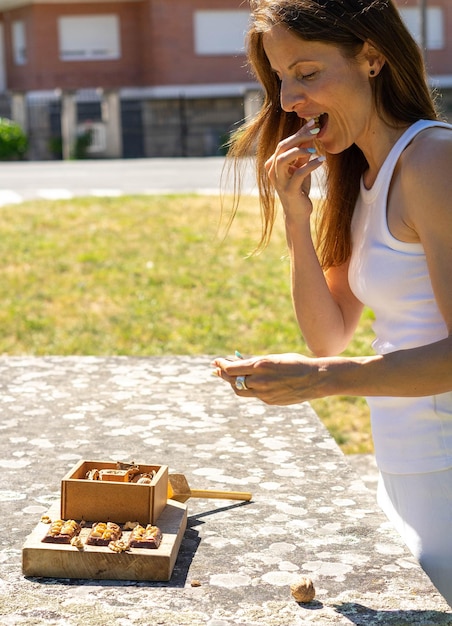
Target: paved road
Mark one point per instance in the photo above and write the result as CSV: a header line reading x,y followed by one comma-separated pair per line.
x,y
66,179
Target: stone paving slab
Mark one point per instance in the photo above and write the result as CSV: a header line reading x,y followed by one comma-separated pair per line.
x,y
311,514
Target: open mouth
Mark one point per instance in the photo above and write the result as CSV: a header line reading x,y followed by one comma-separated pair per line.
x,y
320,122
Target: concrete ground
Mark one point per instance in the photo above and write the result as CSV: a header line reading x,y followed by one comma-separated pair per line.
x,y
366,468
310,515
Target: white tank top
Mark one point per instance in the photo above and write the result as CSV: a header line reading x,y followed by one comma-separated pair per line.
x,y
391,277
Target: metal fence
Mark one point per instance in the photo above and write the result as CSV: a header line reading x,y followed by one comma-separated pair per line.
x,y
149,127
172,127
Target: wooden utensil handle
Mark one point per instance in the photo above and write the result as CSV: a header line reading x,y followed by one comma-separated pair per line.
x,y
224,495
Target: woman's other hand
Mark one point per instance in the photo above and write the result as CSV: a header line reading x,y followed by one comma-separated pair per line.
x,y
278,379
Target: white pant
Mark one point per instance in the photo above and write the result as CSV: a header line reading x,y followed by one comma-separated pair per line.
x,y
420,507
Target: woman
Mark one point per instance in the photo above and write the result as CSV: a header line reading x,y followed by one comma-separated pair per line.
x,y
344,80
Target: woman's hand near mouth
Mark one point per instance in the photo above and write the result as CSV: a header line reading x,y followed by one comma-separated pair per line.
x,y
290,168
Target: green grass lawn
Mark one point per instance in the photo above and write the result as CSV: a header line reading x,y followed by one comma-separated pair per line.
x,y
152,276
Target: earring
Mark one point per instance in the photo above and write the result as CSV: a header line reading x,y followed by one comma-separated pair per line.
x,y
372,73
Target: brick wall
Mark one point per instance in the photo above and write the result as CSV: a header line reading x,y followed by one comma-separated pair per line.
x,y
439,62
157,48
172,58
45,70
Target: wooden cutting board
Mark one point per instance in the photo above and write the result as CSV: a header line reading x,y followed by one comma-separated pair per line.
x,y
100,563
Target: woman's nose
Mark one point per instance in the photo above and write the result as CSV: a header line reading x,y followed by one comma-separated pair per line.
x,y
291,96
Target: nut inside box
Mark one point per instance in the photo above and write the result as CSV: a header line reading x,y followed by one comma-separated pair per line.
x,y
113,500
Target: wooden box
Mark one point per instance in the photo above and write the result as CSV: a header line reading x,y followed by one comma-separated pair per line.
x,y
118,501
55,560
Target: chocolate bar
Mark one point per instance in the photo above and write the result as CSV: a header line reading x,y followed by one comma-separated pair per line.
x,y
102,533
149,537
62,531
122,476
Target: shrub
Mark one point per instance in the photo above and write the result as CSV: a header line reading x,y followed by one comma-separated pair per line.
x,y
56,147
13,140
82,143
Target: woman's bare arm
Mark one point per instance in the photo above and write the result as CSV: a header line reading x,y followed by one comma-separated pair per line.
x,y
326,310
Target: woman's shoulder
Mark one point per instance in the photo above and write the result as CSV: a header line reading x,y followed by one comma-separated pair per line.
x,y
432,134
425,177
428,153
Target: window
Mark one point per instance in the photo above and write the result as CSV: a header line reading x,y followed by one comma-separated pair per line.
x,y
19,43
220,32
89,38
434,25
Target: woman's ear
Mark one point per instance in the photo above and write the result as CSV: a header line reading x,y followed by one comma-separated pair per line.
x,y
373,58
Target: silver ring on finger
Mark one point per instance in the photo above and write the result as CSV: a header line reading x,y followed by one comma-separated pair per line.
x,y
240,383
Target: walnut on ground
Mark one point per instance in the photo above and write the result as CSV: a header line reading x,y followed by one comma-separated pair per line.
x,y
303,590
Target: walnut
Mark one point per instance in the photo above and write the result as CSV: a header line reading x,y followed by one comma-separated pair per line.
x,y
118,546
144,480
92,474
69,527
195,583
77,542
45,519
303,590
130,525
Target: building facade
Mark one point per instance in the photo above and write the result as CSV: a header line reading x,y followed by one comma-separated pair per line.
x,y
148,78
